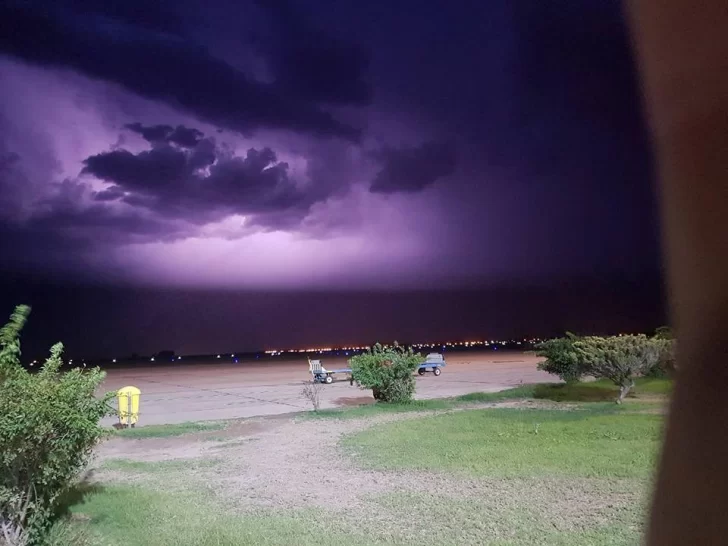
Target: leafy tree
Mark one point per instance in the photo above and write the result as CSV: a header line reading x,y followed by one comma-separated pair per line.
x,y
49,425
664,332
619,358
10,341
562,358
387,370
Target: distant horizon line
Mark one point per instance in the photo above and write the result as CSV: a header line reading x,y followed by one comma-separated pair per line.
x,y
171,355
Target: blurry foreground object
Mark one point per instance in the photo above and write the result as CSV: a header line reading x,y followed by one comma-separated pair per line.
x,y
682,50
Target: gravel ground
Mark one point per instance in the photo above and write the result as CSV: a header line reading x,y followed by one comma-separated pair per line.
x,y
220,391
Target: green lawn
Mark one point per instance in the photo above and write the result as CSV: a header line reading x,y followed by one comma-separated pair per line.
x,y
513,442
509,517
513,513
566,477
599,391
124,516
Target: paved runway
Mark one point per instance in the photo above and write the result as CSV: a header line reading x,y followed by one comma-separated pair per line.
x,y
198,392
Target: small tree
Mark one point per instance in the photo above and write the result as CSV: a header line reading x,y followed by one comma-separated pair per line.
x,y
49,425
387,370
311,391
620,358
562,358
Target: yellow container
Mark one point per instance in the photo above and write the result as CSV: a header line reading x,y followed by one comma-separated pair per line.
x,y
128,398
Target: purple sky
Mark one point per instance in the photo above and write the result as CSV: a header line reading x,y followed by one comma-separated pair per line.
x,y
321,145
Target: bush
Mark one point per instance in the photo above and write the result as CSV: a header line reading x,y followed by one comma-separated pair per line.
x,y
311,391
620,358
49,425
562,358
387,371
666,365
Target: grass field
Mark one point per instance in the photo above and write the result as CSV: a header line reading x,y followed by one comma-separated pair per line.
x,y
123,515
513,443
549,464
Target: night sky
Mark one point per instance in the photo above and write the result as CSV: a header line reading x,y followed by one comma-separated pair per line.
x,y
205,176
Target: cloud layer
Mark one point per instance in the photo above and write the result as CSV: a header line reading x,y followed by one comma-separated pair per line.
x,y
413,169
159,64
307,142
185,176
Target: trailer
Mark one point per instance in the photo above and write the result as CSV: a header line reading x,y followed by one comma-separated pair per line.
x,y
434,362
322,375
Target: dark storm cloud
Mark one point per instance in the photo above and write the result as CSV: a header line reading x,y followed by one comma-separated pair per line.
x,y
109,194
161,15
159,65
185,137
311,63
572,107
198,183
100,224
151,133
546,94
11,179
64,232
551,148
550,183
413,169
180,135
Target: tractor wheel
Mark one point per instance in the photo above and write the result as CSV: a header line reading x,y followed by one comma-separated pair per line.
x,y
421,371
436,371
329,379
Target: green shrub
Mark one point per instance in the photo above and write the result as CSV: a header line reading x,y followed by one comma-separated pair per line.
x,y
620,358
49,425
666,365
562,358
387,370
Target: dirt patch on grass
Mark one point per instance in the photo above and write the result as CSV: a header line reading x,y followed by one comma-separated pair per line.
x,y
304,440
354,401
523,404
244,429
651,398
187,446
296,464
661,410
